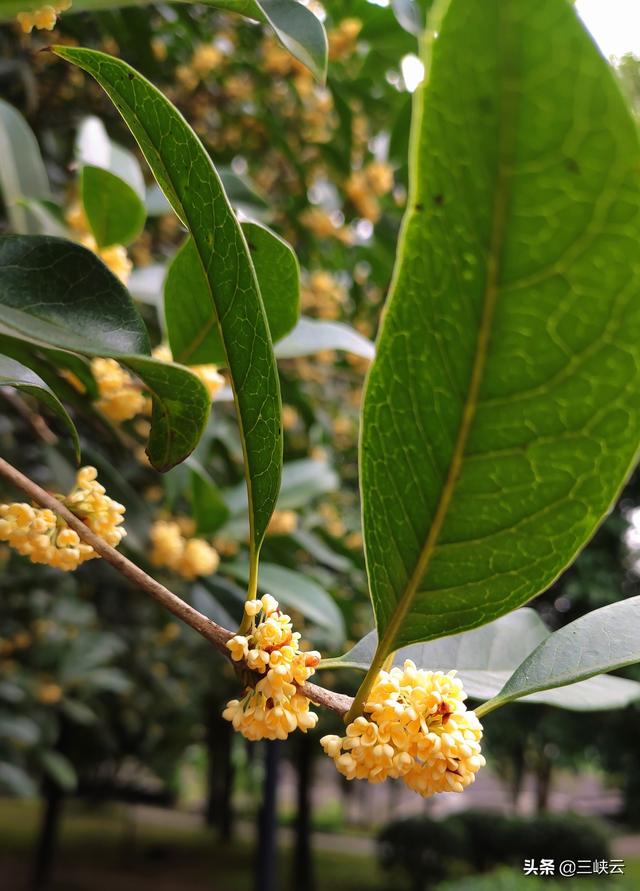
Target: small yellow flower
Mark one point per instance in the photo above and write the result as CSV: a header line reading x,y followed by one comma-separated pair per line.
x,y
208,374
238,647
120,397
115,257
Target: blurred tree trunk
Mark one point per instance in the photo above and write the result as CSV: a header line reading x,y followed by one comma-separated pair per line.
x,y
303,876
52,802
518,765
266,849
220,775
543,774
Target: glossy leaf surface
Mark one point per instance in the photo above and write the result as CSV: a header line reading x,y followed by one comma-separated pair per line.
x,y
501,417
185,173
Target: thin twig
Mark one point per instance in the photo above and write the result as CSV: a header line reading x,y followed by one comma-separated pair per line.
x,y
211,631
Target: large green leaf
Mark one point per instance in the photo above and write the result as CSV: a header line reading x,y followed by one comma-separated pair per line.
x,y
22,171
485,658
296,27
115,213
15,374
501,416
190,316
56,293
603,640
186,175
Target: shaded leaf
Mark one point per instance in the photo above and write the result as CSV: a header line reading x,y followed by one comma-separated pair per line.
x,y
16,781
484,659
57,293
602,640
114,212
15,374
299,592
194,336
22,171
210,510
58,767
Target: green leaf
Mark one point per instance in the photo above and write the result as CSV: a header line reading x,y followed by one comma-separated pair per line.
x,y
299,592
95,148
15,374
190,317
484,659
60,294
497,646
181,407
186,175
603,640
58,767
56,293
501,418
15,780
302,482
299,31
19,729
314,335
278,275
22,171
210,510
115,213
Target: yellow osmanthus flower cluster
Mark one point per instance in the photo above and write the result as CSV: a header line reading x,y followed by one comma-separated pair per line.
x,y
42,536
324,295
42,19
364,187
343,38
187,556
416,727
114,257
274,708
121,398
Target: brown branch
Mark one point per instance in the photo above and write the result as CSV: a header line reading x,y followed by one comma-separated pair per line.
x,y
211,631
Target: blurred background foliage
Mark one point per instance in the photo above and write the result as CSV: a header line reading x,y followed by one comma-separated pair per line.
x,y
102,695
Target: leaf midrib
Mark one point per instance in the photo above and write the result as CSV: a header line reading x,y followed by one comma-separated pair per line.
x,y
499,211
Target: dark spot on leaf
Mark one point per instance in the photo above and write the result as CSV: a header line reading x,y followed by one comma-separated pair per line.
x,y
438,199
572,165
419,207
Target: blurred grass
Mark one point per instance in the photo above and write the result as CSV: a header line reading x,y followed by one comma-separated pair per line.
x,y
105,849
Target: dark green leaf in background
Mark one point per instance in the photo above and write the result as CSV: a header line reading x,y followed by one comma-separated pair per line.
x,y
58,293
14,374
22,172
